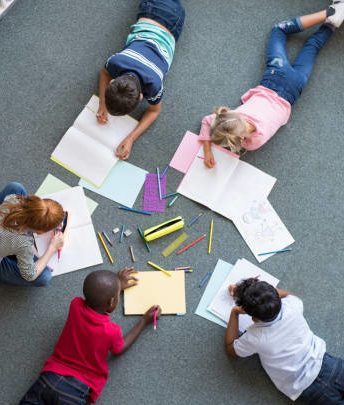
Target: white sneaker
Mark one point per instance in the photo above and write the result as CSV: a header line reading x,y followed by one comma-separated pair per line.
x,y
338,17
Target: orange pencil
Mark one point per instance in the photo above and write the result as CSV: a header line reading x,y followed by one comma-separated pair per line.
x,y
191,244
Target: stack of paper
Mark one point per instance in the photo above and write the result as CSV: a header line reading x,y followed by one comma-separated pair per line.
x,y
222,303
81,247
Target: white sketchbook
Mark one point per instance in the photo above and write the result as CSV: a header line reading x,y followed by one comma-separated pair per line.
x,y
228,181
81,247
260,226
88,149
222,304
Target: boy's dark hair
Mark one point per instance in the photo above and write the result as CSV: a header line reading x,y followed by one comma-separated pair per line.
x,y
122,95
99,287
258,298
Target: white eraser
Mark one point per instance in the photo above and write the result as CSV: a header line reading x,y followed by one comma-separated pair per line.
x,y
127,232
115,230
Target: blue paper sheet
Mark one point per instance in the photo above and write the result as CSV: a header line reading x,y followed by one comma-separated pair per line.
x,y
122,185
218,277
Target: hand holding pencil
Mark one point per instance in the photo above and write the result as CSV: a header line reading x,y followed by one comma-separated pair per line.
x,y
154,312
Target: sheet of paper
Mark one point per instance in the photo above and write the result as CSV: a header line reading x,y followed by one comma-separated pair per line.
x,y
186,152
123,184
218,277
81,248
155,288
260,226
84,156
52,184
206,185
223,303
151,198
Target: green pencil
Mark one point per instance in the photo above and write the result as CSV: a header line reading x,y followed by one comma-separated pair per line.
x,y
143,238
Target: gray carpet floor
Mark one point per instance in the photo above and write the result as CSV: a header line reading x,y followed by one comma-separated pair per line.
x,y
50,57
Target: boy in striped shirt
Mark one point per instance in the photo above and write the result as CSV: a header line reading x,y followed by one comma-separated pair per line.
x,y
138,71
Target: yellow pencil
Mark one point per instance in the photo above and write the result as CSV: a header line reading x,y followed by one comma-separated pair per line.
x,y
159,268
106,249
210,236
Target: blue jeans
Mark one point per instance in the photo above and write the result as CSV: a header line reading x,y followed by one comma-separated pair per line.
x,y
169,13
328,387
9,270
55,389
286,79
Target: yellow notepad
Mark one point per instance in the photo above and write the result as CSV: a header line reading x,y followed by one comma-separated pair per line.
x,y
155,288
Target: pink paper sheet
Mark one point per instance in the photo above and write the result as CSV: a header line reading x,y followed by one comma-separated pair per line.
x,y
188,150
151,200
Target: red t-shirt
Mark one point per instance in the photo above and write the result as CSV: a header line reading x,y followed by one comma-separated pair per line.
x,y
83,346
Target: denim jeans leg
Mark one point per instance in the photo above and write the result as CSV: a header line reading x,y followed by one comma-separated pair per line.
x,y
305,60
10,274
12,188
34,394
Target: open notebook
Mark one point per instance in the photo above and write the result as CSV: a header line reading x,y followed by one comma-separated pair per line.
x,y
87,148
229,180
81,247
222,303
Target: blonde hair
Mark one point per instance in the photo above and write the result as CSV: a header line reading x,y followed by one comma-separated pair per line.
x,y
227,128
31,213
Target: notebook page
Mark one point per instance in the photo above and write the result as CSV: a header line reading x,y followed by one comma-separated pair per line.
x,y
223,303
206,185
110,134
84,156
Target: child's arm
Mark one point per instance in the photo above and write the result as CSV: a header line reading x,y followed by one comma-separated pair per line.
x,y
209,160
151,114
104,80
204,136
282,293
232,332
147,318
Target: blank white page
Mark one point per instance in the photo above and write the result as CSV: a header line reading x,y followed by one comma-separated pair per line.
x,y
222,304
84,156
81,248
110,134
206,185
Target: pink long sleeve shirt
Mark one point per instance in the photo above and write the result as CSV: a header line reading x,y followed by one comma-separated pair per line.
x,y
264,109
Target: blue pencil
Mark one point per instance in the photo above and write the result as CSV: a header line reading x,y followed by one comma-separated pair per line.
x,y
122,234
275,251
159,186
201,284
133,210
164,172
195,219
169,195
173,200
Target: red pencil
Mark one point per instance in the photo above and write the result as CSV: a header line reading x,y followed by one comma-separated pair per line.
x,y
191,244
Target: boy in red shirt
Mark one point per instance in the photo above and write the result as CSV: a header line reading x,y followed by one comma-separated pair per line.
x,y
77,370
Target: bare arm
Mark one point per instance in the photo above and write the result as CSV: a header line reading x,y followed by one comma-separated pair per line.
x,y
151,114
209,160
232,332
104,80
282,293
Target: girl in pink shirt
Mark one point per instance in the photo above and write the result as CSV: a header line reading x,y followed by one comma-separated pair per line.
x,y
267,107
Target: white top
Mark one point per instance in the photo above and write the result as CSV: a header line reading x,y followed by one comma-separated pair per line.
x,y
289,351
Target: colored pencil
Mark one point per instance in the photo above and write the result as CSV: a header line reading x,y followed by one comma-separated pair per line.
x,y
105,247
169,195
132,253
122,234
188,271
107,238
160,268
201,284
210,236
143,238
207,160
275,251
173,200
164,172
159,185
191,244
183,268
134,210
155,319
195,219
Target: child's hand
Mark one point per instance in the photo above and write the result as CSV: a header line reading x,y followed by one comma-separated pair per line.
x,y
56,241
102,115
238,310
124,148
232,289
209,160
148,317
126,278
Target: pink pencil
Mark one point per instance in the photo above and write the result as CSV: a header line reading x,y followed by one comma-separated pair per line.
x,y
207,160
155,319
